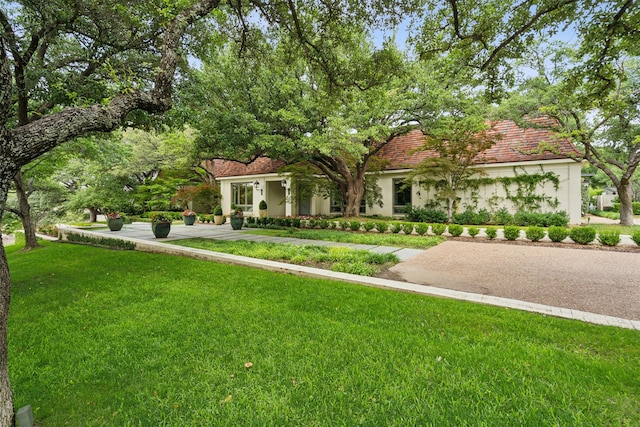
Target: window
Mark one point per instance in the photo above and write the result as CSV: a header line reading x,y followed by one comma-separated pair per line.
x,y
242,195
401,196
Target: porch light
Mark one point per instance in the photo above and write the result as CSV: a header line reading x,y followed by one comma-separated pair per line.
x,y
256,185
284,183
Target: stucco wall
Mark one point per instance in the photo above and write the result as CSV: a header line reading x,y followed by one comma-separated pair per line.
x,y
490,197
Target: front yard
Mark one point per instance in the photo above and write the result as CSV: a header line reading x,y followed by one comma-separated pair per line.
x,y
111,338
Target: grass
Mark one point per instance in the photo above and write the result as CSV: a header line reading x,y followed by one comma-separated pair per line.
x,y
371,238
119,338
346,260
615,227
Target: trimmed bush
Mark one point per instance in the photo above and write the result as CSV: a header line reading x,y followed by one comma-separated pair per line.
x,y
414,214
368,225
344,225
558,234
422,229
491,232
355,225
511,232
324,224
473,231
535,233
382,227
583,235
636,237
407,228
396,227
609,238
455,230
438,229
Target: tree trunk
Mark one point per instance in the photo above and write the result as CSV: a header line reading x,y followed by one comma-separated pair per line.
x,y
6,399
353,197
24,212
625,193
93,215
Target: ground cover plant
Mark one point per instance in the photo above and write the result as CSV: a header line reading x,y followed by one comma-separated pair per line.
x,y
155,340
391,239
336,258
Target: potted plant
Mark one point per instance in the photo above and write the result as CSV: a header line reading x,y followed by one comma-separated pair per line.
x,y
189,217
115,221
262,209
160,225
218,218
236,218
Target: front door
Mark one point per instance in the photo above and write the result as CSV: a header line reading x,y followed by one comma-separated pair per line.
x,y
304,205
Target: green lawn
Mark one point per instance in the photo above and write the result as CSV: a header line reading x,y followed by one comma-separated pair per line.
x,y
346,260
370,238
121,338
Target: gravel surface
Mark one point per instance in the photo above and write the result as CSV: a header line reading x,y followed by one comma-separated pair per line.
x,y
592,280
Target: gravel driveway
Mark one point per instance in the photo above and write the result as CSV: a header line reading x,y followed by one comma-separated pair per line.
x,y
595,281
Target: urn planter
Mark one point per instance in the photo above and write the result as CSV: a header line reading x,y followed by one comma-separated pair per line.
x,y
161,229
115,224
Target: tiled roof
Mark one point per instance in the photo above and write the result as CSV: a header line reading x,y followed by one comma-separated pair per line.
x,y
226,168
515,145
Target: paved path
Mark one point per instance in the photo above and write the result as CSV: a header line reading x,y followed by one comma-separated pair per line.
x,y
142,231
599,287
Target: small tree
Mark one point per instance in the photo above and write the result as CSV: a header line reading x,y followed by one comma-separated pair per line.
x,y
454,145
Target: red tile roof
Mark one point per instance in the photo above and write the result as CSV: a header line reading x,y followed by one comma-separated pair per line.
x,y
226,168
515,145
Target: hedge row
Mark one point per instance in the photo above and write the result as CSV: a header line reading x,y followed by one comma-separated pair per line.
x,y
580,235
484,217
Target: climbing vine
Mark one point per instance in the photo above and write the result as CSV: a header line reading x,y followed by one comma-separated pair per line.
x,y
522,189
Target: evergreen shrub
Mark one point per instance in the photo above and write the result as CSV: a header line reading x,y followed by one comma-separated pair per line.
x,y
609,238
535,233
473,231
558,234
583,235
422,229
455,230
438,229
511,232
491,232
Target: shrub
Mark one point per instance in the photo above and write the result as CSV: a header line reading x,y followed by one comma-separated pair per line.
x,y
636,208
558,219
344,225
368,226
414,214
455,230
473,231
609,238
470,217
491,232
636,237
262,205
583,235
502,217
324,224
333,225
382,226
355,225
422,229
535,233
438,229
511,232
407,228
217,210
296,222
311,223
396,227
558,234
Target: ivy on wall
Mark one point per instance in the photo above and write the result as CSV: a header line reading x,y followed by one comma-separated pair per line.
x,y
524,190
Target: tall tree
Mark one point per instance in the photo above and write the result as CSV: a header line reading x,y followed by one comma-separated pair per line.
x,y
602,122
335,115
106,61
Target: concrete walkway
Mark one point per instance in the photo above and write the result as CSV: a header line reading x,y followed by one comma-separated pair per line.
x,y
422,278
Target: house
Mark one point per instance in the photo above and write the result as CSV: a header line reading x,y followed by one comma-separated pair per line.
x,y
526,166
